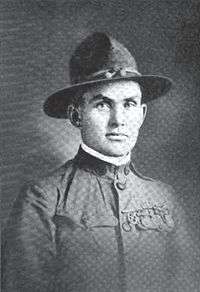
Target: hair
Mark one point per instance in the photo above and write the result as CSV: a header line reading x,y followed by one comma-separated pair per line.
x,y
78,100
75,103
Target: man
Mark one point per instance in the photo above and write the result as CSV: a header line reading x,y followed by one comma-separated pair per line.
x,y
96,224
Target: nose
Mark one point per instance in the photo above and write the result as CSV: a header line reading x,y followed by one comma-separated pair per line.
x,y
117,117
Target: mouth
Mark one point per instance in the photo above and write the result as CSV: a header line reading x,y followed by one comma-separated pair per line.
x,y
116,136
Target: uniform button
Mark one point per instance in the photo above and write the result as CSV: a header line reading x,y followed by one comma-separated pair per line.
x,y
84,219
126,170
121,186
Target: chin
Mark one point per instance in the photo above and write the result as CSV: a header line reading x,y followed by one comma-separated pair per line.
x,y
118,148
117,152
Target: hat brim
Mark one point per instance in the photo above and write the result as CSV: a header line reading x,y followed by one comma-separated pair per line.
x,y
152,86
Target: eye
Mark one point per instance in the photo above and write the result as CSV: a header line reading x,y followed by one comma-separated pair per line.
x,y
102,106
130,103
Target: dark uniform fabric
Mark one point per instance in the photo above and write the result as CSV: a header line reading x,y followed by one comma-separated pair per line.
x,y
92,226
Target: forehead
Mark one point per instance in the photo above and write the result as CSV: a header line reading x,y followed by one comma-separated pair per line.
x,y
116,90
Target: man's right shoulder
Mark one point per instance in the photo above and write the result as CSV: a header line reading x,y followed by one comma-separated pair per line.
x,y
57,177
53,182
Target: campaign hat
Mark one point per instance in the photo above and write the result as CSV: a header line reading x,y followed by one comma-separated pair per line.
x,y
100,59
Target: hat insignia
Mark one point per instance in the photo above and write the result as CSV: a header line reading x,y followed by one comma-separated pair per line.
x,y
113,73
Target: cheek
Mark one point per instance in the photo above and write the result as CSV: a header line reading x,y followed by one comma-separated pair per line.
x,y
134,120
97,119
94,123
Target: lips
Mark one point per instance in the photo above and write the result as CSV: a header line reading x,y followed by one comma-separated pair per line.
x,y
116,136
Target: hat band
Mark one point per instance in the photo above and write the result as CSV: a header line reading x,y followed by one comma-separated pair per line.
x,y
111,73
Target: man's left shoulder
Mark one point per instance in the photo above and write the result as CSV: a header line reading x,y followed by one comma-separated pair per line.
x,y
153,188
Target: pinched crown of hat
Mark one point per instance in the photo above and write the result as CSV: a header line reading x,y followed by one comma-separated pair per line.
x,y
101,58
99,54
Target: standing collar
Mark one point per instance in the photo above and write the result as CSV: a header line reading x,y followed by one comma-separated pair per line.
x,y
88,162
110,159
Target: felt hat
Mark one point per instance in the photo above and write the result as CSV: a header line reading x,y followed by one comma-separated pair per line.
x,y
100,59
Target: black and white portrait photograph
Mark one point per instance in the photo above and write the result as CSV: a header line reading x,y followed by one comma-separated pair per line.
x,y
100,133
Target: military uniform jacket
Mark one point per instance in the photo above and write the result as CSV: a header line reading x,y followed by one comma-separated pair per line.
x,y
92,226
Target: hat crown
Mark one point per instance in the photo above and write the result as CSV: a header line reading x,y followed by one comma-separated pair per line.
x,y
99,52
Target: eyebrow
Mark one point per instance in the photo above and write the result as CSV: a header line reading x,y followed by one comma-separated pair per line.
x,y
109,100
100,97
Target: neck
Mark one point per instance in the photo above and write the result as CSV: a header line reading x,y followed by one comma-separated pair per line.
x,y
110,159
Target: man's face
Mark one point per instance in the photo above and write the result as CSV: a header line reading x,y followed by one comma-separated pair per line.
x,y
111,117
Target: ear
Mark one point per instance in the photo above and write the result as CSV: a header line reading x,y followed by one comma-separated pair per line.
x,y
144,112
74,116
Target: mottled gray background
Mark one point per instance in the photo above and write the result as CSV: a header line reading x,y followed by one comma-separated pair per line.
x,y
38,38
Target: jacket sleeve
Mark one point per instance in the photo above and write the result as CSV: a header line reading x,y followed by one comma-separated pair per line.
x,y
29,249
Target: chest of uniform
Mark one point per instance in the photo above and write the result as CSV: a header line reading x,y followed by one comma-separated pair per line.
x,y
111,233
99,251
75,239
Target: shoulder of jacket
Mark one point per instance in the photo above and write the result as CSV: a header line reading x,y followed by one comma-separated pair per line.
x,y
55,179
155,186
151,180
